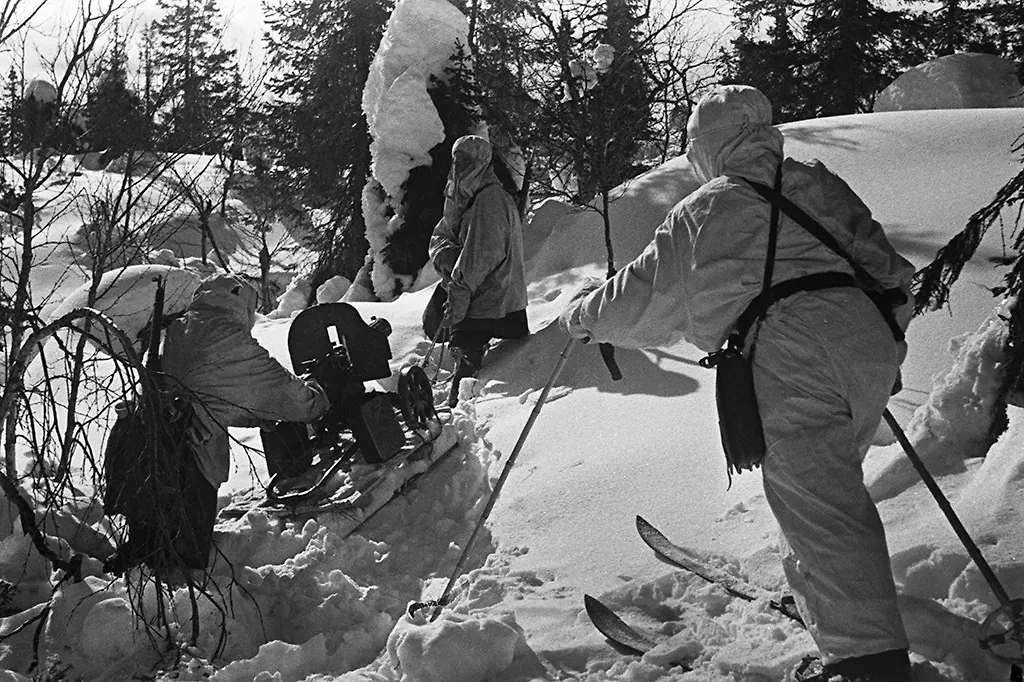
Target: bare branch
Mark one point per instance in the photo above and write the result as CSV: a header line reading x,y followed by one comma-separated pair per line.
x,y
12,24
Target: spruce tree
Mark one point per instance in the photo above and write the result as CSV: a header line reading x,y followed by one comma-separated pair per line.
x,y
957,27
116,116
597,123
857,50
197,71
321,52
932,284
775,62
950,27
1007,20
502,52
13,111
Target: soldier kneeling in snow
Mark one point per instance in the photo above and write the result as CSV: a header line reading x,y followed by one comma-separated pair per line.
x,y
213,363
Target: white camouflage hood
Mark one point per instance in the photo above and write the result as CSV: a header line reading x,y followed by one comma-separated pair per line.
x,y
730,132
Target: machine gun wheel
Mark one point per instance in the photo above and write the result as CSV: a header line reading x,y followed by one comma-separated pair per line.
x,y
415,397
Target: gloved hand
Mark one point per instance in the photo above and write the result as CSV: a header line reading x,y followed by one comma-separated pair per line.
x,y
569,320
897,385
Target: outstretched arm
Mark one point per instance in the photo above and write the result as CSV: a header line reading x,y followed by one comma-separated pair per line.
x,y
645,304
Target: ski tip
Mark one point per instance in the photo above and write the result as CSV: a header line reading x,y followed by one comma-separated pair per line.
x,y
595,608
643,524
623,637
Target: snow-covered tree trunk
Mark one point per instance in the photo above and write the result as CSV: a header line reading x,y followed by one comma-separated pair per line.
x,y
420,42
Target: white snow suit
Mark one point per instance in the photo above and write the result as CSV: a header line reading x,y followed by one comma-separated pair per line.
x,y
478,244
824,364
212,359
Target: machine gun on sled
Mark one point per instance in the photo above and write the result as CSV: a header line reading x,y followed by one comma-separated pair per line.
x,y
332,344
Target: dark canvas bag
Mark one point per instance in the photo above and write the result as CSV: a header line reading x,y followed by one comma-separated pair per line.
x,y
739,420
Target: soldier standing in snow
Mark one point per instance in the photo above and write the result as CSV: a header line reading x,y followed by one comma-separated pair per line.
x,y
825,361
212,362
478,249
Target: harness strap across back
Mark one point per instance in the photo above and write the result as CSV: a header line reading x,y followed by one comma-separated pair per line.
x,y
882,298
759,306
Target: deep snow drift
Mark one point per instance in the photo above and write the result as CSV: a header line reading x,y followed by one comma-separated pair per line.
x,y
300,602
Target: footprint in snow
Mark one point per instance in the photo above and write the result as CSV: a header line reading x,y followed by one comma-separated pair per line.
x,y
554,394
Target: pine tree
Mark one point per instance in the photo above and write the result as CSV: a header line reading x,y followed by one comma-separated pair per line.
x,y
322,51
198,72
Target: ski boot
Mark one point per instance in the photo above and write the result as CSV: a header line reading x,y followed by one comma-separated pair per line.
x,y
888,666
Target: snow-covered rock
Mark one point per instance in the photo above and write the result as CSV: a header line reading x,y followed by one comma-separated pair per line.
x,y
126,296
333,289
164,257
967,80
41,91
292,300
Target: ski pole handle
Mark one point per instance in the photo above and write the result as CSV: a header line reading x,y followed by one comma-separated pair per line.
x,y
607,349
608,355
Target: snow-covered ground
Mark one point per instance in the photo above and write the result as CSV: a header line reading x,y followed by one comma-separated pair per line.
x,y
302,603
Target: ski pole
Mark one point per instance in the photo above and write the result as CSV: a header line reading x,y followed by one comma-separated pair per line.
x,y
445,596
947,509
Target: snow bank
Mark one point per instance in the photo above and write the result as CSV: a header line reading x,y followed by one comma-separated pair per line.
x,y
333,289
285,597
955,424
455,647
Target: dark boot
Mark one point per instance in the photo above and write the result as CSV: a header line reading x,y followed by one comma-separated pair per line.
x,y
288,449
467,364
888,666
